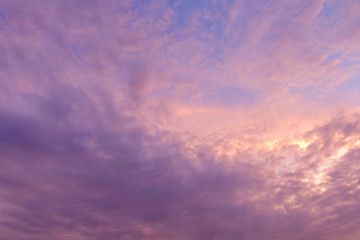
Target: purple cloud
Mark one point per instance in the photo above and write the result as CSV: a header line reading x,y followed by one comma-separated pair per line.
x,y
103,106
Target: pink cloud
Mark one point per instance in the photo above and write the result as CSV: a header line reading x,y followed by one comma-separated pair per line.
x,y
154,120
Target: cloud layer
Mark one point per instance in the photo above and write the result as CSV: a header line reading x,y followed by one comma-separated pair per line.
x,y
179,120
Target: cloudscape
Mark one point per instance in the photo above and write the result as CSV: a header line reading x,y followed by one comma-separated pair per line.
x,y
179,119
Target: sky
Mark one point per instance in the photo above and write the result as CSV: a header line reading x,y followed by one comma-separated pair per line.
x,y
179,119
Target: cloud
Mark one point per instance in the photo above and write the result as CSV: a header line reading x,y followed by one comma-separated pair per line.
x,y
101,106
73,180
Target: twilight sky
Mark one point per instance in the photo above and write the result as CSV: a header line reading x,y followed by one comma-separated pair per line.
x,y
179,119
